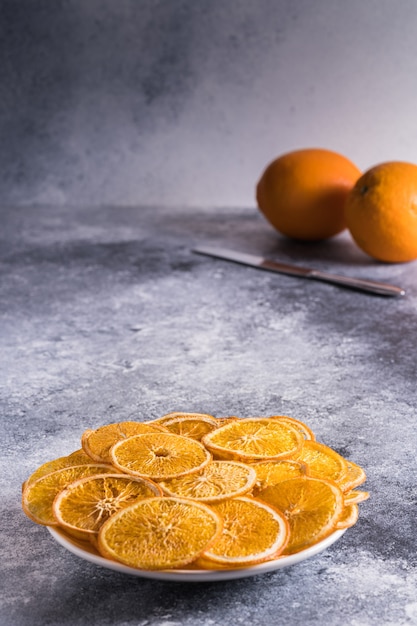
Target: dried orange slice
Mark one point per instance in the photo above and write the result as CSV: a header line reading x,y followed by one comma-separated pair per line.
x,y
270,473
348,517
79,457
180,415
203,563
38,497
194,427
354,476
254,439
312,506
322,461
253,532
221,421
97,443
305,431
218,481
355,496
83,507
159,533
159,456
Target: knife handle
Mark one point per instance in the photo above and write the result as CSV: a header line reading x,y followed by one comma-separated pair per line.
x,y
360,284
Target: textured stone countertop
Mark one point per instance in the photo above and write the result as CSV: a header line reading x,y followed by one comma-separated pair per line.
x,y
107,315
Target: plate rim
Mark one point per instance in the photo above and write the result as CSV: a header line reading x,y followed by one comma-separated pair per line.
x,y
194,575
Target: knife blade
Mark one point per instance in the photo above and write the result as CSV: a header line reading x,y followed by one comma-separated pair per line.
x,y
360,284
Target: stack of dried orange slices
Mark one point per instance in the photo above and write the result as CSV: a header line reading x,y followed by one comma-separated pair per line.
x,y
192,490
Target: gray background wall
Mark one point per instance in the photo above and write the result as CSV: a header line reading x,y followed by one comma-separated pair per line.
x,y
183,102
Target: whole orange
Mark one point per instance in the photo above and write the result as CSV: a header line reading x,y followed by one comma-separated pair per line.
x,y
303,193
381,212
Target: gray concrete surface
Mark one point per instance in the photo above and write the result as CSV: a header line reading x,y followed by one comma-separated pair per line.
x,y
107,315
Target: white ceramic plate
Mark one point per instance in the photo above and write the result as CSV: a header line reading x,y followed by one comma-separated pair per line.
x,y
84,551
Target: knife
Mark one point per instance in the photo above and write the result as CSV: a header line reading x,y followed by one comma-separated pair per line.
x,y
369,286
